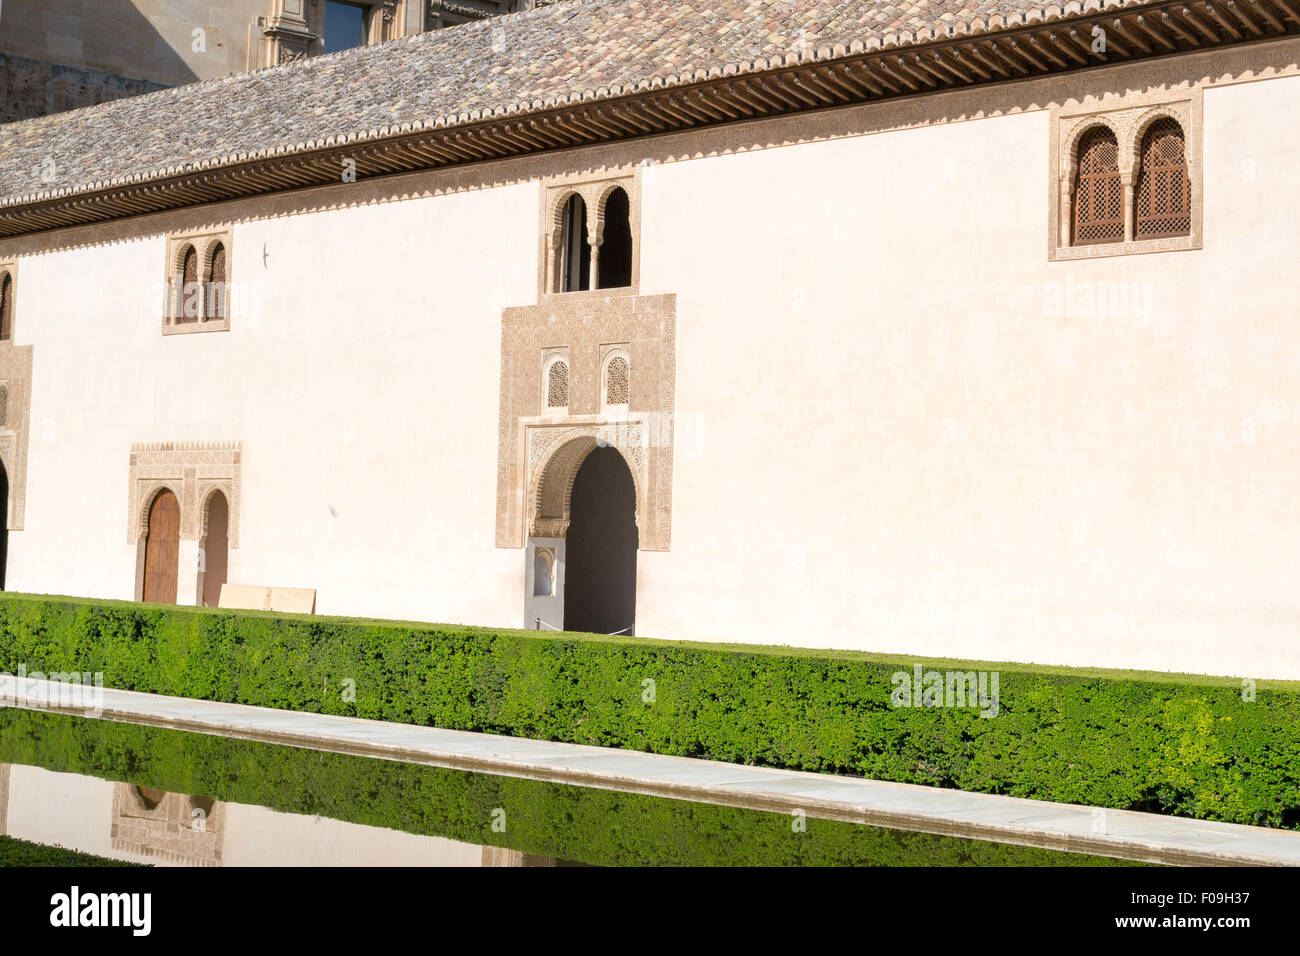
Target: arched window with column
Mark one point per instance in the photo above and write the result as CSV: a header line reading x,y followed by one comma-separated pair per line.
x,y
614,264
1098,201
1163,204
575,249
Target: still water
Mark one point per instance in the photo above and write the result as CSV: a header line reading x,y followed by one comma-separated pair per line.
x,y
167,797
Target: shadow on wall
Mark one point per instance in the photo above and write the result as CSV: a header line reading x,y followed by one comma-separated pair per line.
x,y
51,61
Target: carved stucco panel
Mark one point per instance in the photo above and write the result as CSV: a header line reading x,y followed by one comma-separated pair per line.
x,y
192,471
15,426
539,455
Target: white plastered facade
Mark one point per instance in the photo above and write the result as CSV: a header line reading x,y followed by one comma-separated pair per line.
x,y
899,425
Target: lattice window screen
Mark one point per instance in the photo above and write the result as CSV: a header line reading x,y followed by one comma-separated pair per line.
x,y
557,386
1098,193
1164,190
6,307
189,283
217,284
616,381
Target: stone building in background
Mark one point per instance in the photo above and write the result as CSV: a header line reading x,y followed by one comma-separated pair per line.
x,y
57,55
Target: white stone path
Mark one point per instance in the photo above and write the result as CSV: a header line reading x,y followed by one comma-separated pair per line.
x,y
1059,826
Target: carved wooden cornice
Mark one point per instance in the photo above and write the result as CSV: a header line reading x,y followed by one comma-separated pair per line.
x,y
1042,44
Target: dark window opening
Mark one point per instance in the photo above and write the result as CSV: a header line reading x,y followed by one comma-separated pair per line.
x,y
6,307
575,259
345,25
616,251
4,524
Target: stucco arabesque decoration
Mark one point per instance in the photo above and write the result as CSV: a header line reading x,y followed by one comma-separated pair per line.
x,y
539,453
190,470
15,426
1128,118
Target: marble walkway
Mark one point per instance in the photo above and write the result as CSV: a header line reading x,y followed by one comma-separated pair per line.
x,y
1118,833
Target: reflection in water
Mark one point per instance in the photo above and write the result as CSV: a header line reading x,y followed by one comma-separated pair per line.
x,y
167,826
168,797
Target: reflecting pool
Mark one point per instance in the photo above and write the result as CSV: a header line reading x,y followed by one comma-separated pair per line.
x,y
166,797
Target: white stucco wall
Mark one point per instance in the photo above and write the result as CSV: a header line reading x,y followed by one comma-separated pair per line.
x,y
906,446
890,437
364,388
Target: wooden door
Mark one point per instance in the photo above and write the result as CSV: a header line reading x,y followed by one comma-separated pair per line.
x,y
162,549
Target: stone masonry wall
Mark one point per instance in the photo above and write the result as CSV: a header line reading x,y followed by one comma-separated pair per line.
x,y
30,88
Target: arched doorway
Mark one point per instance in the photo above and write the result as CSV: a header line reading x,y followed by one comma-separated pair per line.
x,y
215,553
601,546
162,549
4,524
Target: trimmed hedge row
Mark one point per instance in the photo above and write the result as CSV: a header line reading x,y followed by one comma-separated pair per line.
x,y
580,824
1190,747
22,853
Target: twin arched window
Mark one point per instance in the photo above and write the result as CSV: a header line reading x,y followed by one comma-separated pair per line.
x,y
1162,203
199,297
606,263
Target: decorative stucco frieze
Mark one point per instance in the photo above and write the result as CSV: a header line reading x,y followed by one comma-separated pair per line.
x,y
15,426
539,454
190,470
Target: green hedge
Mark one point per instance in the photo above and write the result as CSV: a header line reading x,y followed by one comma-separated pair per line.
x,y
21,853
580,824
1182,745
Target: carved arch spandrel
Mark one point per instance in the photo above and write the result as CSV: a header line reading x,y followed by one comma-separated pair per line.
x,y
644,328
192,471
559,454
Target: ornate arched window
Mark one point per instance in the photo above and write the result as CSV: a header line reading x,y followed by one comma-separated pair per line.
x,y
6,307
618,376
190,293
216,293
1164,190
575,250
1098,193
557,384
614,269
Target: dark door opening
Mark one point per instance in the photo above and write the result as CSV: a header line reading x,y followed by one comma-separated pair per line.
x,y
4,524
600,574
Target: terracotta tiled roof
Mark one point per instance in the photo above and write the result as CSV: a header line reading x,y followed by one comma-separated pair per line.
x,y
583,49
